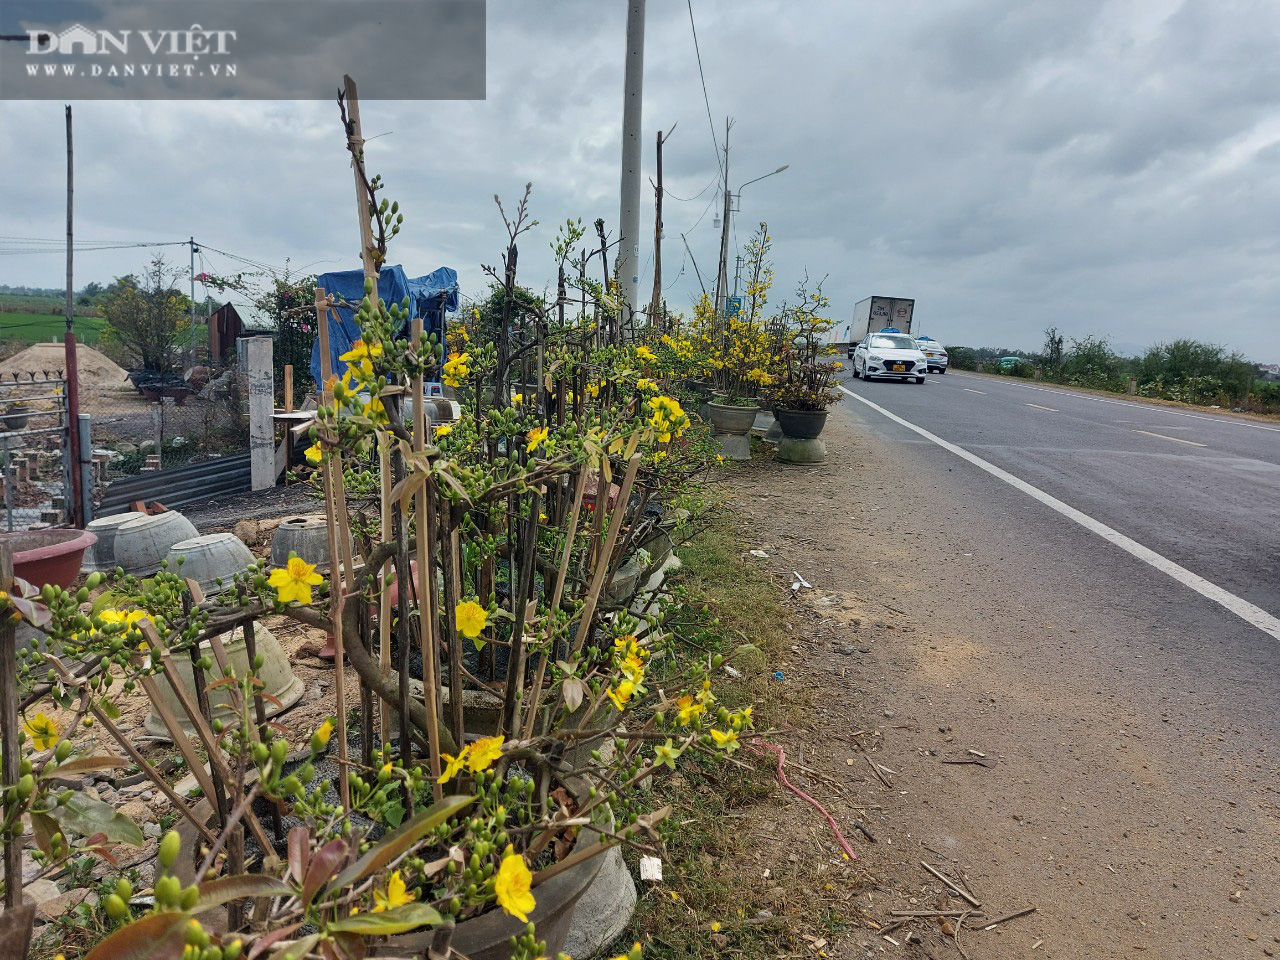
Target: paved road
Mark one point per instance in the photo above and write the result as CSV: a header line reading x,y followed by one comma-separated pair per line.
x,y
1136,799
1201,490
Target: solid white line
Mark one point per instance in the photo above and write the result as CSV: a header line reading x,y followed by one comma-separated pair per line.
x,y
1038,407
967,390
1148,407
1238,605
1190,443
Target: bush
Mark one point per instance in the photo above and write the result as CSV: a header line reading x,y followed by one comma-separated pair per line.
x,y
962,358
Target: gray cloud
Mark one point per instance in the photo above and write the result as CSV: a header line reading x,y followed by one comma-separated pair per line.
x,y
1105,167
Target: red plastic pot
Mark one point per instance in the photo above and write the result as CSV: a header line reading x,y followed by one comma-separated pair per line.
x,y
49,556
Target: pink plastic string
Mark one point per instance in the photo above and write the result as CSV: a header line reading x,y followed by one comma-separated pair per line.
x,y
782,756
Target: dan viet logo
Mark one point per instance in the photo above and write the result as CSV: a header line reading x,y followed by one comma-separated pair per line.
x,y
198,52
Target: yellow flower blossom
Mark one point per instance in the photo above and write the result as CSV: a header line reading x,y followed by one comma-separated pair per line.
x,y
42,731
470,618
645,384
442,429
622,693
455,369
517,399
727,739
294,581
689,711
644,353
395,896
452,765
359,360
511,886
537,436
482,754
313,453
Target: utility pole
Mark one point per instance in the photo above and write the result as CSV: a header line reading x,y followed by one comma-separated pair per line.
x,y
192,244
655,301
737,273
722,275
695,264
69,349
628,264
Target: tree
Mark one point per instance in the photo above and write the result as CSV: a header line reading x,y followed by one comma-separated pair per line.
x,y
146,316
1052,348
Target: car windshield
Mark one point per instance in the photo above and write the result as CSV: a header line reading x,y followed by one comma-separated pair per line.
x,y
893,343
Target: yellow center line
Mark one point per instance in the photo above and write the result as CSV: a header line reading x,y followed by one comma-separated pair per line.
x,y
967,390
1038,407
1190,443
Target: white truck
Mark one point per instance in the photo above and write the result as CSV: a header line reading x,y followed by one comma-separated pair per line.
x,y
877,313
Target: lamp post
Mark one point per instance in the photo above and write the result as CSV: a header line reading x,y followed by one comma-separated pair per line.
x,y
722,284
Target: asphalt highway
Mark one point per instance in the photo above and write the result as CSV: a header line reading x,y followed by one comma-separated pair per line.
x,y
1198,489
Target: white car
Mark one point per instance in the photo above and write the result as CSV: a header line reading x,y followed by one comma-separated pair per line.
x,y
889,355
935,354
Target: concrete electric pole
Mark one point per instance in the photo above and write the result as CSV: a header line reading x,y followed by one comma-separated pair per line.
x,y
628,263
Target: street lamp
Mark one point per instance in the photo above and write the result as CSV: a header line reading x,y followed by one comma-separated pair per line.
x,y
722,279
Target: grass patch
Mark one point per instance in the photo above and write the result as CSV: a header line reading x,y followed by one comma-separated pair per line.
x,y
714,900
42,327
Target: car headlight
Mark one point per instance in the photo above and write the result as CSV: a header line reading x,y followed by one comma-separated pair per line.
x,y
874,359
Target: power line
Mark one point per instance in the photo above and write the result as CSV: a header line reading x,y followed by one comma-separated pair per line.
x,y
703,77
667,193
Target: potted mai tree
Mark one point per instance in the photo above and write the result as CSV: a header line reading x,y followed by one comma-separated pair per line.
x,y
805,386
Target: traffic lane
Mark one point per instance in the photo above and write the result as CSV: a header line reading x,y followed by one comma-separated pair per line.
x,y
1203,511
1238,436
1011,554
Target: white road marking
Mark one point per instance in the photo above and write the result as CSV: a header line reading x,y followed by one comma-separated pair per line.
x,y
1147,408
1242,608
1190,443
1038,407
967,390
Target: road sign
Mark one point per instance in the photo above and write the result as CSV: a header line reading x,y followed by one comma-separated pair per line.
x,y
732,306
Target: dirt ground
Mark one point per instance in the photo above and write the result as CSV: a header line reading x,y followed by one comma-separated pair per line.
x,y
1078,807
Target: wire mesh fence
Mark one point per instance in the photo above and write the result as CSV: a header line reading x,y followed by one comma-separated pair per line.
x,y
34,439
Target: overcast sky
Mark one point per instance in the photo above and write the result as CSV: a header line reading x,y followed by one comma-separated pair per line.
x,y
1105,167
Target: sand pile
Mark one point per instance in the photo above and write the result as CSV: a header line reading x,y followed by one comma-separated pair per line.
x,y
95,370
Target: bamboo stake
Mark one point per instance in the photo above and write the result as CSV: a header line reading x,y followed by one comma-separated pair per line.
x,y
337,590
535,701
384,591
602,562
425,586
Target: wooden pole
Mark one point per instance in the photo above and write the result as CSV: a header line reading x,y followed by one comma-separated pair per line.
x,y
337,589
655,301
76,507
426,583
9,731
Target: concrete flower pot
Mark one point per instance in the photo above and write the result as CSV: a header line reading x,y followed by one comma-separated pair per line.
x,y
142,544
208,559
733,429
801,424
101,557
276,674
308,537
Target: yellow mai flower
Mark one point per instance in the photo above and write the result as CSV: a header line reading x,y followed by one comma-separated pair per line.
x,y
455,369
470,618
42,731
728,740
313,453
644,353
127,617
511,886
645,384
295,580
622,693
443,429
517,399
452,765
537,436
360,359
483,753
396,895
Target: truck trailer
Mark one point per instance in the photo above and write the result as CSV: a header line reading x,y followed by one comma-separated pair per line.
x,y
877,313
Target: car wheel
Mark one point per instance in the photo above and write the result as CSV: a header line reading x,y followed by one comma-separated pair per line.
x,y
919,379
942,371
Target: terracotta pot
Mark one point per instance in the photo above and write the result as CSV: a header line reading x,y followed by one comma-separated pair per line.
x,y
801,424
731,419
49,556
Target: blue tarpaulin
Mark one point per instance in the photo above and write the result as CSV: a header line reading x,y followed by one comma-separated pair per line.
x,y
430,297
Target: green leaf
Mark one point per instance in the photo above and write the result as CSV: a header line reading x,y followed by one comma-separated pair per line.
x,y
213,893
400,920
399,841
109,708
86,816
84,765
393,814
157,936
